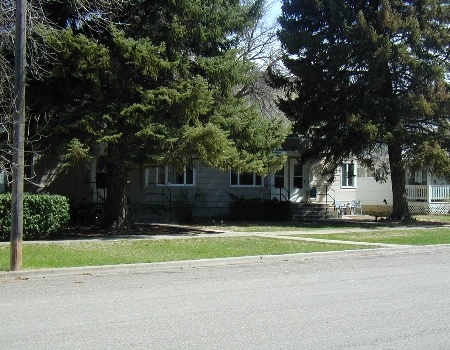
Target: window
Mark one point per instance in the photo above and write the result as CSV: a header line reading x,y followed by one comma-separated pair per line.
x,y
279,178
348,178
29,162
297,175
169,175
245,179
416,177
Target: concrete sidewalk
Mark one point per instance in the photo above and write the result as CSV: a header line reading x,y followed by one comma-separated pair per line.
x,y
376,248
222,231
212,232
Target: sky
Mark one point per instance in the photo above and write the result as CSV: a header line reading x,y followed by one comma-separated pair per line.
x,y
275,10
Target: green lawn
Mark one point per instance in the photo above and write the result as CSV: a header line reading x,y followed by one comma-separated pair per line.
x,y
324,225
127,251
433,218
406,237
95,253
289,226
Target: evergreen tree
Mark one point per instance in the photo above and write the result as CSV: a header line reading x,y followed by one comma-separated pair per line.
x,y
74,14
158,89
366,77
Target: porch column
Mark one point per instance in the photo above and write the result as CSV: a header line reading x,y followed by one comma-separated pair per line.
x,y
428,188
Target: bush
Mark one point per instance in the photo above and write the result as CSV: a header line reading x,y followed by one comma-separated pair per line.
x,y
257,209
43,215
187,201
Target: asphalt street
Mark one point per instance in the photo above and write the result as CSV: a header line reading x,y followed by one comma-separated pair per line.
x,y
373,299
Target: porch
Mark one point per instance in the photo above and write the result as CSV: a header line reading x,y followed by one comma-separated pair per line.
x,y
428,199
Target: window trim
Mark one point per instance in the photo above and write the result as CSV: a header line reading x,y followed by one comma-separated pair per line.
x,y
166,177
354,177
255,176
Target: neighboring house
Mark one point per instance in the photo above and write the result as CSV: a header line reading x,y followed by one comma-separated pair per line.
x,y
427,193
150,190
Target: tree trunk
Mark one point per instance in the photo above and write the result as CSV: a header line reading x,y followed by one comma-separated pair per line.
x,y
396,163
399,205
116,202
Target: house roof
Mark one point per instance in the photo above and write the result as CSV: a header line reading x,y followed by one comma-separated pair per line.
x,y
294,144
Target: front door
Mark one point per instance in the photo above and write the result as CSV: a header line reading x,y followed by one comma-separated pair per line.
x,y
289,182
296,181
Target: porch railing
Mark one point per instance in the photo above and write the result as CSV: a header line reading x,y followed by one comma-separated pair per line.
x,y
424,193
281,193
166,196
327,194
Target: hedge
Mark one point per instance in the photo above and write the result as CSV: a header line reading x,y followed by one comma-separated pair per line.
x,y
44,215
257,209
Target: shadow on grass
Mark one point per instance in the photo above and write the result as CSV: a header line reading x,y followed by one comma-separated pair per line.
x,y
94,232
208,227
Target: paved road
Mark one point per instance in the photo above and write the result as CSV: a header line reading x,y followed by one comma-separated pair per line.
x,y
373,299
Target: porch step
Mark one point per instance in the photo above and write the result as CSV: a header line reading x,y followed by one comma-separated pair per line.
x,y
145,213
312,211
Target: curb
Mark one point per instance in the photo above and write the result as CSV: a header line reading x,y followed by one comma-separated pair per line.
x,y
145,268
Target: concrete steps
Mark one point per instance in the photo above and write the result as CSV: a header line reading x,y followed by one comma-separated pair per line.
x,y
312,211
145,213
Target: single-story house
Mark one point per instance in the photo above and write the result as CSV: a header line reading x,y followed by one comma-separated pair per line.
x,y
164,188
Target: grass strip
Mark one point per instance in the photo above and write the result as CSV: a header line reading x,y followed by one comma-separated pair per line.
x,y
95,253
402,237
323,225
303,226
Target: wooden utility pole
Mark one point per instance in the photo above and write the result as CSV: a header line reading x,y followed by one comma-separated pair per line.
x,y
19,136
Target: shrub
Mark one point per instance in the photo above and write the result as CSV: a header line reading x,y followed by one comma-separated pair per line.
x,y
43,215
187,201
258,209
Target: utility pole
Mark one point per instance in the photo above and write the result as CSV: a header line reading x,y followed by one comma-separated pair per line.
x,y
19,136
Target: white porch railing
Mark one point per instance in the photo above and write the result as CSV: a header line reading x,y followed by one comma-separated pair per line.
x,y
424,193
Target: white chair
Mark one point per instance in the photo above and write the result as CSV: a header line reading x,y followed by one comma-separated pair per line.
x,y
338,208
356,206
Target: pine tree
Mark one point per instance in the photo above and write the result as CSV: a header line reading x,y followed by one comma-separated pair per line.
x,y
366,77
158,89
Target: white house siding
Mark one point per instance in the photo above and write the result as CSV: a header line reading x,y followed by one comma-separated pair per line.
x,y
366,190
314,180
372,195
342,194
325,192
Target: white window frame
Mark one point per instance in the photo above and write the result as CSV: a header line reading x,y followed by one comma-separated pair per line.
x,y
167,169
345,167
238,180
